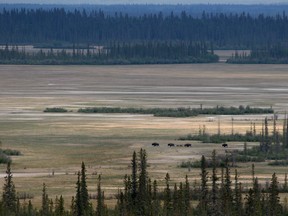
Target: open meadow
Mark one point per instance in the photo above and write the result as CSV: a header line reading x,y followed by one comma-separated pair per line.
x,y
54,144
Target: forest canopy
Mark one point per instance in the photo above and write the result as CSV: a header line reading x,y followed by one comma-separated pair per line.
x,y
237,30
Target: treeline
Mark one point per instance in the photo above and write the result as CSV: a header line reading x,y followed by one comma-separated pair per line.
x,y
180,112
195,10
215,194
116,53
236,31
277,54
220,138
272,146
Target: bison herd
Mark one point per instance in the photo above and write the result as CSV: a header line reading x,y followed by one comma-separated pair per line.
x,y
172,145
155,144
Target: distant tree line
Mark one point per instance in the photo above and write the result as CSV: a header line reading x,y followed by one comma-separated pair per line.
x,y
214,194
272,146
276,54
234,30
181,111
115,53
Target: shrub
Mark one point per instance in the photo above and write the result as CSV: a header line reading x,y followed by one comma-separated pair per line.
x,y
11,152
56,109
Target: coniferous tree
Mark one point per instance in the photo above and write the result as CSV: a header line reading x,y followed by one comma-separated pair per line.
x,y
237,196
84,191
143,201
227,191
134,181
214,190
9,200
156,208
274,200
167,206
45,202
203,202
59,207
187,206
100,208
78,206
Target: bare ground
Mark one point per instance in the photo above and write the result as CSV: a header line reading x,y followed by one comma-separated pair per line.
x,y
52,142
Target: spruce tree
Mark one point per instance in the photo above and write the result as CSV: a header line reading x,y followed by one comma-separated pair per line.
x,y
274,200
156,207
78,206
59,206
187,206
9,194
214,190
203,202
134,179
142,199
227,191
45,202
84,191
167,207
237,196
100,208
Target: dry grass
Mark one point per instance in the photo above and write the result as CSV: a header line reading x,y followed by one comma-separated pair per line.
x,y
59,142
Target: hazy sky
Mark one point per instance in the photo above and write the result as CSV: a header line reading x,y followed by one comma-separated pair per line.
x,y
145,1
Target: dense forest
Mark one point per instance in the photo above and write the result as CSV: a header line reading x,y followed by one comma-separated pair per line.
x,y
238,30
115,53
275,54
194,10
214,194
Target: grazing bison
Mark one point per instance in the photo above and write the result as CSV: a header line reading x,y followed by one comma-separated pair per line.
x,y
188,145
171,144
155,144
225,145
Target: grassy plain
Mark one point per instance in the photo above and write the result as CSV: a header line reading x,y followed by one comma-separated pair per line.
x,y
58,142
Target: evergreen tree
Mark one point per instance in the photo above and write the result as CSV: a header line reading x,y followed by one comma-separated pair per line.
x,y
187,206
274,200
227,191
134,177
59,207
100,209
9,200
45,202
237,196
214,189
167,207
203,202
156,206
142,200
78,206
84,191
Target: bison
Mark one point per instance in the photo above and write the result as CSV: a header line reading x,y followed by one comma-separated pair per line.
x,y
155,144
225,145
188,145
171,144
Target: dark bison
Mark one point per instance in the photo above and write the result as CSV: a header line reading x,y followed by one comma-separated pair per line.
x,y
188,145
225,145
171,144
155,144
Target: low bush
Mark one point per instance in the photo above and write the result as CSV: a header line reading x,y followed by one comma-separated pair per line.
x,y
56,109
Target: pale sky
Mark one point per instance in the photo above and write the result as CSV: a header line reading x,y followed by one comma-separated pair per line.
x,y
144,1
